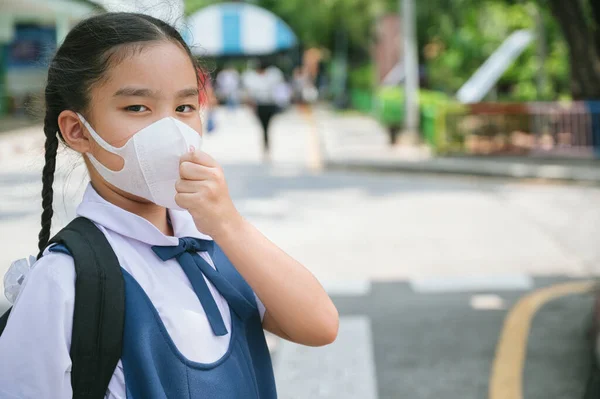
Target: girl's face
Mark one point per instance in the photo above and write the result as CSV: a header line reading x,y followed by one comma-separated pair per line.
x,y
158,82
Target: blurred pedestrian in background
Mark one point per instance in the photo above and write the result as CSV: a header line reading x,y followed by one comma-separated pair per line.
x,y
228,86
264,87
207,100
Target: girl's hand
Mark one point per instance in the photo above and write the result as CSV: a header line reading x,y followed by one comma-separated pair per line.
x,y
202,191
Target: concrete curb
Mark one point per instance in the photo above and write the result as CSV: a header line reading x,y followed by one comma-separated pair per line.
x,y
473,167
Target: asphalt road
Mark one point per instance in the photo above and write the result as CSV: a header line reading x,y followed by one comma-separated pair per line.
x,y
431,345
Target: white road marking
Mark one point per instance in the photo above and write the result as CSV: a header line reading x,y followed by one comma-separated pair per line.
x,y
472,283
487,302
347,287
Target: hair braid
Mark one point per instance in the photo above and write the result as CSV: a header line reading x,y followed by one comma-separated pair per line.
x,y
51,147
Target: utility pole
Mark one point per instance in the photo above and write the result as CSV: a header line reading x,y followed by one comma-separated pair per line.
x,y
411,67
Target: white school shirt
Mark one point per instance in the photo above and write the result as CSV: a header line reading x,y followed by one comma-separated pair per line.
x,y
34,348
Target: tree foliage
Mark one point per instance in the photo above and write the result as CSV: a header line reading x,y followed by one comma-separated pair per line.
x,y
316,23
455,37
457,42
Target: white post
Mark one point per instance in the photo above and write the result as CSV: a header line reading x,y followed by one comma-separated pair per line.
x,y
411,68
542,52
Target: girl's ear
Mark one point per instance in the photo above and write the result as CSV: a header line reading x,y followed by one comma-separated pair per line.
x,y
73,131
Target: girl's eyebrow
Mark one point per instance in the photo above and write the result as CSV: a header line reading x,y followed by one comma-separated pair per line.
x,y
135,92
189,92
141,92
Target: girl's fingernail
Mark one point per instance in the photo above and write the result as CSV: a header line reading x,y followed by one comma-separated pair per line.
x,y
192,148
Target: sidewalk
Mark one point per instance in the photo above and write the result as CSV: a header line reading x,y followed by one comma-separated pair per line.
x,y
21,141
358,142
10,123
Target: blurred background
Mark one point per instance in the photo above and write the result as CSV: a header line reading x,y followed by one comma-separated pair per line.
x,y
435,164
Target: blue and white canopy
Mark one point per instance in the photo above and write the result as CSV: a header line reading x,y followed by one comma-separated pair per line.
x,y
237,29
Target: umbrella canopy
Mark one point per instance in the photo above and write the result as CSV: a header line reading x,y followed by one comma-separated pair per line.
x,y
237,29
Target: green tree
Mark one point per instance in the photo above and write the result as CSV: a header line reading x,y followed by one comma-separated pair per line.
x,y
458,40
455,37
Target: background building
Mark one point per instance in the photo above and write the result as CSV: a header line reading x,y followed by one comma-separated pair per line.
x,y
29,33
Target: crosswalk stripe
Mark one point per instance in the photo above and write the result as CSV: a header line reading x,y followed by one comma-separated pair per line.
x,y
347,287
472,283
344,369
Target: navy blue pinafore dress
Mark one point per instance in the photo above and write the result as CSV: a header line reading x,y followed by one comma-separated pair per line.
x,y
153,366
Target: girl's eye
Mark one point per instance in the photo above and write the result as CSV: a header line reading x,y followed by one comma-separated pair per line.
x,y
136,108
185,108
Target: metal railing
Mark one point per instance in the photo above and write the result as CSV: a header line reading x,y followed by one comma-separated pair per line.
x,y
538,129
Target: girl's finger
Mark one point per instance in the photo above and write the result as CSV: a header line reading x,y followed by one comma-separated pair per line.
x,y
189,186
192,171
198,157
185,200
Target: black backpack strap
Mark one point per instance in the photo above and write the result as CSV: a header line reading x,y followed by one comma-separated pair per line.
x,y
99,312
4,320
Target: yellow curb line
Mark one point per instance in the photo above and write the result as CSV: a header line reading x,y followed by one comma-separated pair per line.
x,y
506,379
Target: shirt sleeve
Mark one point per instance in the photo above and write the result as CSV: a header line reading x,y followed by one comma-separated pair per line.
x,y
34,347
261,307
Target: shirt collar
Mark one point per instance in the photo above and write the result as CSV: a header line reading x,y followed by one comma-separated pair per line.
x,y
111,217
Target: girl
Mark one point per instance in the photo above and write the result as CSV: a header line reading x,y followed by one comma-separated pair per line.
x,y
123,91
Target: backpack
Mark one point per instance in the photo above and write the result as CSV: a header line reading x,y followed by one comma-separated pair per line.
x,y
99,309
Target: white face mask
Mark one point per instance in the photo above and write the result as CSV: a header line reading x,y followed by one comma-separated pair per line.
x,y
151,160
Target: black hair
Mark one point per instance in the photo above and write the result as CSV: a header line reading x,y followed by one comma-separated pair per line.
x,y
88,51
